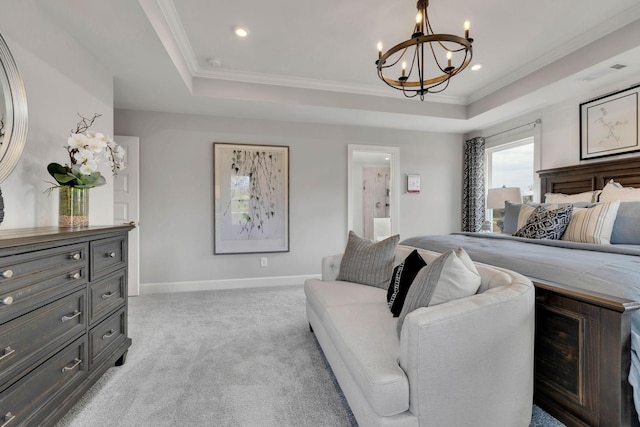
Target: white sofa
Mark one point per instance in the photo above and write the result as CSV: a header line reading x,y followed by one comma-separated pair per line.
x,y
467,362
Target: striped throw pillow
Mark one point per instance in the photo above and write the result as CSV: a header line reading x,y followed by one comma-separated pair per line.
x,y
592,225
368,263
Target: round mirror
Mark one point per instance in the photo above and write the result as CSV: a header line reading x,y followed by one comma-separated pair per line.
x,y
13,112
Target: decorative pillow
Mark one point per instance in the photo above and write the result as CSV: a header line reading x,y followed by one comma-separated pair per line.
x,y
450,276
401,279
366,262
592,225
587,196
546,224
614,191
519,213
626,228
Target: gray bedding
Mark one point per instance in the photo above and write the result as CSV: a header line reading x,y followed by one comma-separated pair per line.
x,y
609,269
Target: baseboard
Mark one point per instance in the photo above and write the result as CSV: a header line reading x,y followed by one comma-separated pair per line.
x,y
214,285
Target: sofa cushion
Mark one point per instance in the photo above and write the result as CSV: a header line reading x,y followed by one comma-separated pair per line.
x,y
322,294
401,279
364,336
367,262
450,276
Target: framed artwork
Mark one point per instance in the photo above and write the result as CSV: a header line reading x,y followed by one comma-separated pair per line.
x,y
413,183
609,124
251,200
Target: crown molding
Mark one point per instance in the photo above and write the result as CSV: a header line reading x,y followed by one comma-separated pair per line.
x,y
627,17
314,84
172,18
168,9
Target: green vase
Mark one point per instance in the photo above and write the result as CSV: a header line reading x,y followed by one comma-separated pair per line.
x,y
73,209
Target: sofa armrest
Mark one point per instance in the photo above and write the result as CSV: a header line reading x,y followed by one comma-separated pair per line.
x,y
331,267
471,357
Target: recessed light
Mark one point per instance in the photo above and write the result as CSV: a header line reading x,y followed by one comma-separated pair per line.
x,y
476,67
241,31
215,62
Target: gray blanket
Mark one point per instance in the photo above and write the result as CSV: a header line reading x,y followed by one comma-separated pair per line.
x,y
609,269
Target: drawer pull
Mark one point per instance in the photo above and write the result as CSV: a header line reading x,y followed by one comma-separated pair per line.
x,y
109,295
76,363
7,301
108,334
111,254
74,276
7,419
7,274
7,351
75,256
75,314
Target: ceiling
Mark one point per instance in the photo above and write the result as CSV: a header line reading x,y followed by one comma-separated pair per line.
x,y
312,61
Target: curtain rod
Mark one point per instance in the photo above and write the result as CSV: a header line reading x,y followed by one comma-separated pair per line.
x,y
534,123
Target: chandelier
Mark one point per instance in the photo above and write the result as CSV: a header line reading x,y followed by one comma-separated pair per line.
x,y
451,54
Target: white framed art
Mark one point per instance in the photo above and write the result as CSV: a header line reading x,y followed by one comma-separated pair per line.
x,y
251,200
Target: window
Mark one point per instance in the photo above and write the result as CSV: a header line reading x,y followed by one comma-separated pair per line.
x,y
511,165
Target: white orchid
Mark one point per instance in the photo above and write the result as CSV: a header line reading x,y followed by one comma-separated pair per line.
x,y
87,151
97,143
77,140
89,167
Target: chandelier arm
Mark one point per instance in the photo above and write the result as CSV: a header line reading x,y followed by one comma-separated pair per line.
x,y
435,59
397,60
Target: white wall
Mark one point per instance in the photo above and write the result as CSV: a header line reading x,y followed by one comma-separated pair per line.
x,y
176,179
559,132
61,79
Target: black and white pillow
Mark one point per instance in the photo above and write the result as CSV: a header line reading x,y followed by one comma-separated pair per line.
x,y
546,224
403,275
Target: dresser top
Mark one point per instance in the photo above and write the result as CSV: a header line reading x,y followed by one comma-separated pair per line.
x,y
25,236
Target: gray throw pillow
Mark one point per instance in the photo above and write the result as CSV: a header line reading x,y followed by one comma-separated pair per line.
x,y
368,263
626,229
450,276
546,224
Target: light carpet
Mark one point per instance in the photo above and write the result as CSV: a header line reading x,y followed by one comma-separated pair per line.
x,y
240,357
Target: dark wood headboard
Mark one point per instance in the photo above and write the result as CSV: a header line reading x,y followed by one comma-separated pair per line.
x,y
590,176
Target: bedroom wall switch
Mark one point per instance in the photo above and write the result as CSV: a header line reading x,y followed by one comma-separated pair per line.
x,y
264,262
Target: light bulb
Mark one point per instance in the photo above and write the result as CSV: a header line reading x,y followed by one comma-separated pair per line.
x,y
379,46
467,26
419,18
404,67
449,55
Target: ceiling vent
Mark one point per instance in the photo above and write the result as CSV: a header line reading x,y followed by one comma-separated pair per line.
x,y
601,73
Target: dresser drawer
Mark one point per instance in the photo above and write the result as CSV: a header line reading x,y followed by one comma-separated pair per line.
x,y
106,295
107,255
38,334
20,402
26,280
107,335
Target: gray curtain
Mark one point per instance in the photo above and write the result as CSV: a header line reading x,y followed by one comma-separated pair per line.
x,y
473,202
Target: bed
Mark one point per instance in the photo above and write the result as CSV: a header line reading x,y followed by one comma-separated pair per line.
x,y
587,372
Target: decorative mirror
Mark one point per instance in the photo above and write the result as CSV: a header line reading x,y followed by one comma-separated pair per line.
x,y
13,112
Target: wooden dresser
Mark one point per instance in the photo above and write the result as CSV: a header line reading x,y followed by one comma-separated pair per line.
x,y
63,317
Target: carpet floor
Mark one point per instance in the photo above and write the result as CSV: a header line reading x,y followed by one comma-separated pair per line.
x,y
222,358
